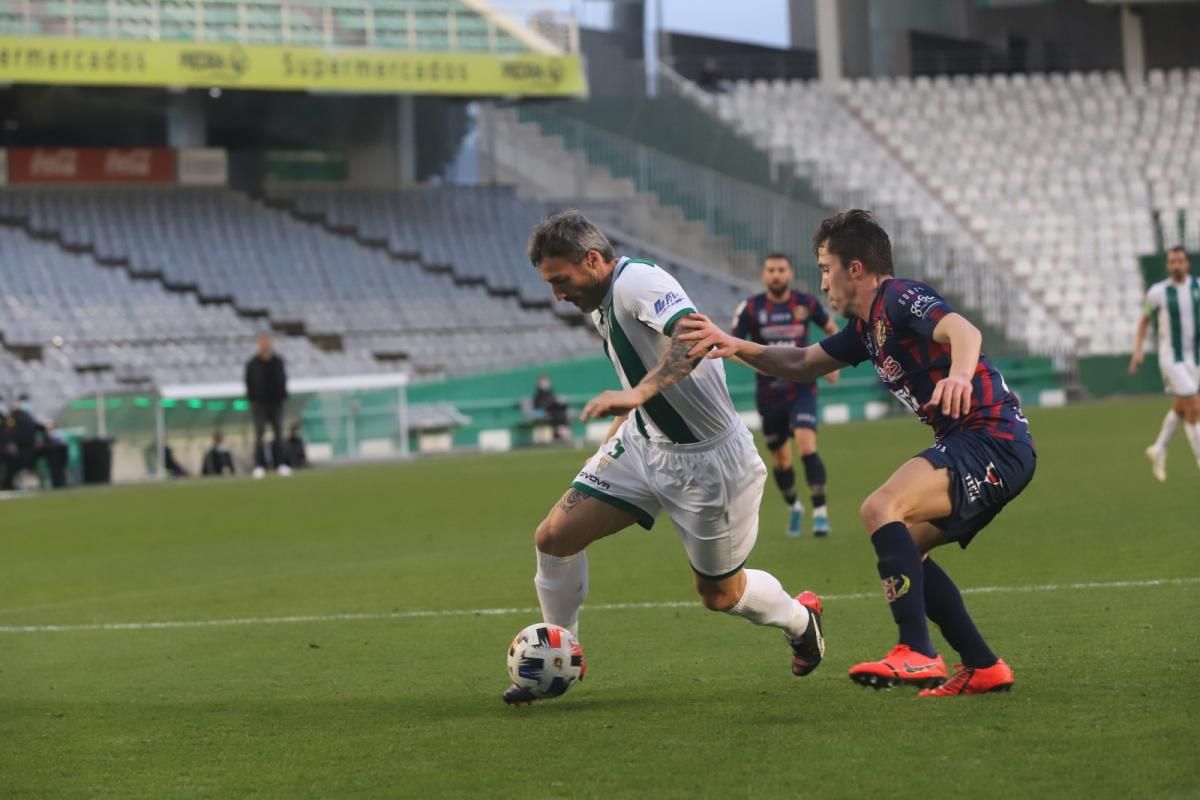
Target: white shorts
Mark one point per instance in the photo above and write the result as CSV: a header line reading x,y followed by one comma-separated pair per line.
x,y
1180,378
711,491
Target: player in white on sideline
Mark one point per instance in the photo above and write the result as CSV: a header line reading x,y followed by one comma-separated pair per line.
x,y
1174,305
676,445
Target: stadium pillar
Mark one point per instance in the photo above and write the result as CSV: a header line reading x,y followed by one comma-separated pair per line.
x,y
186,125
406,141
1133,46
160,437
829,43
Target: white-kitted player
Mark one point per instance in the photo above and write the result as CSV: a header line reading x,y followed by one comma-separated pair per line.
x,y
676,445
1174,305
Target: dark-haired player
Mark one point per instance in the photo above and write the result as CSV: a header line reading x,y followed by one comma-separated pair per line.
x,y
982,456
783,315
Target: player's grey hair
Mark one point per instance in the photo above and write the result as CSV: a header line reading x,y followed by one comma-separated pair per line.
x,y
570,235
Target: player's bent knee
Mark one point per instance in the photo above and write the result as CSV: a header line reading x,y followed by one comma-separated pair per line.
x,y
717,598
877,510
551,538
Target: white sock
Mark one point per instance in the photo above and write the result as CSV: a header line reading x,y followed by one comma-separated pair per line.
x,y
1169,426
766,603
562,585
1193,435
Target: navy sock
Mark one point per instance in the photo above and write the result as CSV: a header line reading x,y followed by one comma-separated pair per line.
x,y
814,469
818,500
785,479
944,605
903,584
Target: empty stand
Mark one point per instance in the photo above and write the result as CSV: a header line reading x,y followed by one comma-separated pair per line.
x,y
135,286
479,233
1059,174
803,123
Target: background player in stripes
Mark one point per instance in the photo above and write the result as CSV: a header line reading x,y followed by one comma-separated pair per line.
x,y
677,445
783,315
1174,306
982,457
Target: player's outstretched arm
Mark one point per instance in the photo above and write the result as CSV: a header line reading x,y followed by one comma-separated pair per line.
x,y
802,364
1139,339
953,392
830,329
674,366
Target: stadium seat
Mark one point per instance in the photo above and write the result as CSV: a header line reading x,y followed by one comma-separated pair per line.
x,y
1049,181
455,295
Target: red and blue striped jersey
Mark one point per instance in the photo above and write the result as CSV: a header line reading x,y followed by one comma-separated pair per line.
x,y
897,338
762,320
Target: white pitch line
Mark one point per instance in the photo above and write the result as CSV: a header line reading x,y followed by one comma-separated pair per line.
x,y
502,612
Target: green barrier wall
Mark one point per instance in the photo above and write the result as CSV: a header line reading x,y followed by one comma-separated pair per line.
x,y
493,400
1105,376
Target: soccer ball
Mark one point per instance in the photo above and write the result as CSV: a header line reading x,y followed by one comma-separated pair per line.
x,y
545,659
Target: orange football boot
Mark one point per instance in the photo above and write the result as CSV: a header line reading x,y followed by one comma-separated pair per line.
x,y
979,680
902,665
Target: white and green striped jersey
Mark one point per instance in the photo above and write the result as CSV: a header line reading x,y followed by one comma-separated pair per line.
x,y
642,306
1175,308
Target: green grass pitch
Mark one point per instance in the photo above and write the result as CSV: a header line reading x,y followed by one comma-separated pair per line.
x,y
367,699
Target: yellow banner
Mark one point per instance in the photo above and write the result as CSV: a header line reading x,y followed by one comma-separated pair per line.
x,y
100,62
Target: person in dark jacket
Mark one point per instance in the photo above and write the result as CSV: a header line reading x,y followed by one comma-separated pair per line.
x,y
27,439
218,460
551,408
266,389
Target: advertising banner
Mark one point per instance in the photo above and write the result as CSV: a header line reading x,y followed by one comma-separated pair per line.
x,y
101,62
203,166
91,165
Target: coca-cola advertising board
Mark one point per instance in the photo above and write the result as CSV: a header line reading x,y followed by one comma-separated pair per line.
x,y
91,165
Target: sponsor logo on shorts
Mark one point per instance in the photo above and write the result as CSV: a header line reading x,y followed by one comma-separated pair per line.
x,y
594,480
666,301
890,370
974,485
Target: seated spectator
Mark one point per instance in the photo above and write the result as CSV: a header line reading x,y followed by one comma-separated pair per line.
x,y
54,451
551,407
174,468
296,456
218,460
26,440
710,78
170,465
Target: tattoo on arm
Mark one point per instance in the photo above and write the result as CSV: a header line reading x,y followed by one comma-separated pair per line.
x,y
674,365
571,500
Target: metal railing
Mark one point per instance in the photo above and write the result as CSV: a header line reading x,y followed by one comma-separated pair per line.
x,y
753,219
508,26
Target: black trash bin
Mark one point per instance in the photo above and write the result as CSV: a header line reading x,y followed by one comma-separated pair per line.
x,y
96,458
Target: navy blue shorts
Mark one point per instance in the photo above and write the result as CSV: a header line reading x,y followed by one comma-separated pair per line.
x,y
778,422
986,473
